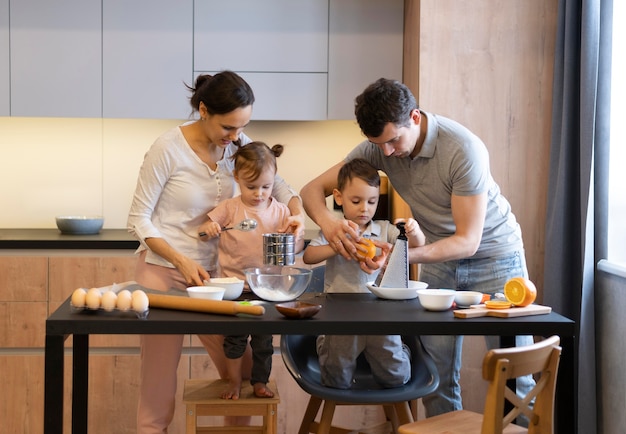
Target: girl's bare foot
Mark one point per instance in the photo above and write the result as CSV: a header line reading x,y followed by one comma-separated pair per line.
x,y
262,391
233,390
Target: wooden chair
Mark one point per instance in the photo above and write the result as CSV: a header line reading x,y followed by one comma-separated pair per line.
x,y
300,357
499,366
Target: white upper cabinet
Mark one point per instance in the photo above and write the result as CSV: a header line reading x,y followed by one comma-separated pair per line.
x,y
366,41
261,36
147,58
5,84
56,58
305,59
280,47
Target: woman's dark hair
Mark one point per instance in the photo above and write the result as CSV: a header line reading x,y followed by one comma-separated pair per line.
x,y
221,93
357,168
255,157
382,102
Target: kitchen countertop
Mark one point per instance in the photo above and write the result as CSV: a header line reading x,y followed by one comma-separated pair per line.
x,y
54,239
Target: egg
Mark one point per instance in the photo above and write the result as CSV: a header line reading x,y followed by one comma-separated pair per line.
x,y
139,301
93,297
124,300
108,301
78,297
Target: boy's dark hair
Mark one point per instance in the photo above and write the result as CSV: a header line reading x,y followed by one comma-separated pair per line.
x,y
357,168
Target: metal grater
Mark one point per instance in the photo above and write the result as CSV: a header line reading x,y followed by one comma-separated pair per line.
x,y
395,272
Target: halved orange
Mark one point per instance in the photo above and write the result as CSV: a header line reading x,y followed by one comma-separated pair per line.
x,y
497,304
520,291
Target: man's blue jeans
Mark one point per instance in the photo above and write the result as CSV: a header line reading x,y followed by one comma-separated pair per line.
x,y
487,275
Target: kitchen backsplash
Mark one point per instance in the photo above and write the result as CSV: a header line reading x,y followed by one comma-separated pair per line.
x,y
62,166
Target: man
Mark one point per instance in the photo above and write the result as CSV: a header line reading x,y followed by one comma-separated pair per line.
x,y
441,170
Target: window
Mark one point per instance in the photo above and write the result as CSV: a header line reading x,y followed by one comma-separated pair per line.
x,y
617,168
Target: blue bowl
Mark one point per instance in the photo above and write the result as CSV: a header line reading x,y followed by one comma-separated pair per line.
x,y
80,225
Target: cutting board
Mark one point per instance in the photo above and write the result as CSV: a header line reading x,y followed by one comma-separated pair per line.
x,y
479,310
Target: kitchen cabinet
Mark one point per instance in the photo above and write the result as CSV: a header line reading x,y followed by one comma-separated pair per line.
x,y
146,58
365,44
304,60
56,61
268,36
5,83
280,47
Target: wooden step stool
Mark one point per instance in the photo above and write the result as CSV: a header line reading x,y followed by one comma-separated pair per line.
x,y
202,398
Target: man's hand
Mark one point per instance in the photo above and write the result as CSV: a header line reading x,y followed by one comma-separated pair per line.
x,y
341,234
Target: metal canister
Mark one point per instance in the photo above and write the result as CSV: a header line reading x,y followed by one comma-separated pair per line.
x,y
278,249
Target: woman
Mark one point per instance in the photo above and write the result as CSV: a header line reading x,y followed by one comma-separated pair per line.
x,y
185,173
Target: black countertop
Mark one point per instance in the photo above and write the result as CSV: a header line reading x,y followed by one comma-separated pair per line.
x,y
54,239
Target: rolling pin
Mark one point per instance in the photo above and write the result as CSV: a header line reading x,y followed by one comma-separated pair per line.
x,y
223,307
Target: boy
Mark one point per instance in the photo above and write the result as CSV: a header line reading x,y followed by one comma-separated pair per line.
x,y
358,193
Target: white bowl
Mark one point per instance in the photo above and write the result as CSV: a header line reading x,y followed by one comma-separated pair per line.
x,y
233,287
467,298
79,224
390,293
436,299
277,283
206,292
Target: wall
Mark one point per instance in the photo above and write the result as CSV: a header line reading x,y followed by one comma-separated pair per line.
x,y
488,64
610,300
54,166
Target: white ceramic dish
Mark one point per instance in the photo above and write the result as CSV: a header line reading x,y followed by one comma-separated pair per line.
x,y
436,299
389,293
206,292
233,287
465,299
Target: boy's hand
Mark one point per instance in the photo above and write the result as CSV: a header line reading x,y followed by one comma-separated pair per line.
x,y
371,265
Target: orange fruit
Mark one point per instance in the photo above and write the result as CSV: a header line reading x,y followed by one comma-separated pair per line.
x,y
497,304
365,249
520,291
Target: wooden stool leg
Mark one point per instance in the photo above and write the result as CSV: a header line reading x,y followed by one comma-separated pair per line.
x,y
403,413
270,421
191,419
327,417
309,415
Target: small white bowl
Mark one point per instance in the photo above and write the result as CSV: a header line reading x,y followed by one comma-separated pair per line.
x,y
467,298
233,287
206,292
390,293
436,299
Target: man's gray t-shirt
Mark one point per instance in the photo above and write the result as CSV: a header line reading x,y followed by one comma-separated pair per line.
x,y
452,161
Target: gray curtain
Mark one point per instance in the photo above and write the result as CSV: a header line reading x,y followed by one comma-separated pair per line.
x,y
576,220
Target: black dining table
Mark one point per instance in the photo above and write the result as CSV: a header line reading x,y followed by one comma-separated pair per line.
x,y
340,314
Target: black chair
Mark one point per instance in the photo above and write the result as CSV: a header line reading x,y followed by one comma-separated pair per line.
x,y
300,357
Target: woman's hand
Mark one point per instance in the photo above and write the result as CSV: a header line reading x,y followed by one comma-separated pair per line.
x,y
192,272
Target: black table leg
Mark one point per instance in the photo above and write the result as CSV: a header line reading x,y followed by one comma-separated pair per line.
x,y
53,385
80,383
567,388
